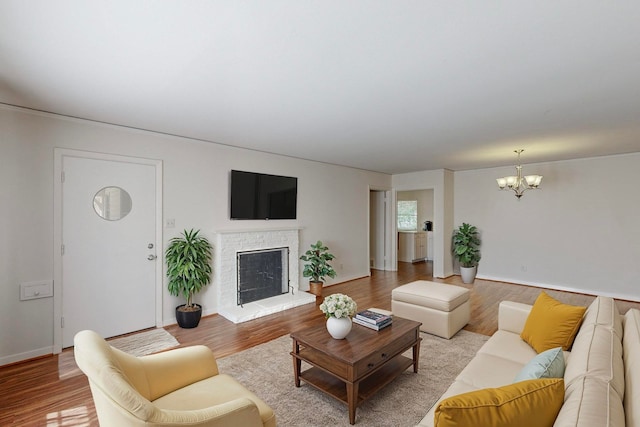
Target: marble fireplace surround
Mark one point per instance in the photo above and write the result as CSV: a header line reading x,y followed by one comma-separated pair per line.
x,y
228,244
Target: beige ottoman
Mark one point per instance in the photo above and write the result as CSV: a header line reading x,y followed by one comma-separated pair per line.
x,y
443,309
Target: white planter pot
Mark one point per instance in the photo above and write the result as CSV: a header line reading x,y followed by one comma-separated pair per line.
x,y
339,328
468,274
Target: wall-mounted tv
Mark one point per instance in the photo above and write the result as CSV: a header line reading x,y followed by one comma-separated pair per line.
x,y
263,196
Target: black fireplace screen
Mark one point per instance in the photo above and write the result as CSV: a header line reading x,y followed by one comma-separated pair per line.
x,y
262,274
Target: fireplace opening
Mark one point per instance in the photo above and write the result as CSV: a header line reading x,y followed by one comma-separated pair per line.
x,y
262,274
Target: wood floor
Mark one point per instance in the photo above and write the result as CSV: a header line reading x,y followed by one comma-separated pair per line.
x,y
51,391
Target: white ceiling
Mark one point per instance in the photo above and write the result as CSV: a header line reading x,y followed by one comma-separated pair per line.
x,y
385,85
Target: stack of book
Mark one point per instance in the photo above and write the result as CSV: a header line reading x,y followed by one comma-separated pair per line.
x,y
372,320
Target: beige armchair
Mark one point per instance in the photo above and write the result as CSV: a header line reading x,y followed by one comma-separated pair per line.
x,y
177,387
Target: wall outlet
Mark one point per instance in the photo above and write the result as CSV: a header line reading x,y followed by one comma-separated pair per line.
x,y
170,223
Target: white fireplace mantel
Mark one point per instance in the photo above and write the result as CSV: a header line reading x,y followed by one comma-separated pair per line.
x,y
257,230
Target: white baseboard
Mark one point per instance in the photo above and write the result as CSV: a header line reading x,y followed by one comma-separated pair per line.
x,y
14,358
604,293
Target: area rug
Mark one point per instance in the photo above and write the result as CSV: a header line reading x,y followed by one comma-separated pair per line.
x,y
267,370
146,342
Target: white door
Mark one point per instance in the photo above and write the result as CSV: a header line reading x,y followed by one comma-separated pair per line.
x,y
108,247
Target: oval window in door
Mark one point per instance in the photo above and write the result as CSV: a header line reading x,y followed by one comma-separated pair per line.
x,y
112,203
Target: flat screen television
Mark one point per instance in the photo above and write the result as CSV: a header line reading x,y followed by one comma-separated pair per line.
x,y
263,196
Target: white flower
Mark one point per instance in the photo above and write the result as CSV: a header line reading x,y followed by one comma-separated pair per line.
x,y
338,305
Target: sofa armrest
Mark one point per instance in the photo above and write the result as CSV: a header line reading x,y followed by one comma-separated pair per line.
x,y
512,316
174,369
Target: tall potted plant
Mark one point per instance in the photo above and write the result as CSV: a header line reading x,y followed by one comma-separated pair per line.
x,y
317,267
466,249
189,270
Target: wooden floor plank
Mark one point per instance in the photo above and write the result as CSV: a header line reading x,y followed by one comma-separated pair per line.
x,y
51,391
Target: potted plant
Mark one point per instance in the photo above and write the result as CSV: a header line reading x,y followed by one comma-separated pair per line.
x,y
317,267
189,270
466,249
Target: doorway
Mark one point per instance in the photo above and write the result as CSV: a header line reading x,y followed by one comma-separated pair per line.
x,y
381,255
108,267
415,220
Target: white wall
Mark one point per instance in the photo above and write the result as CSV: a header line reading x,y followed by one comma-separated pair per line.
x,y
333,205
579,232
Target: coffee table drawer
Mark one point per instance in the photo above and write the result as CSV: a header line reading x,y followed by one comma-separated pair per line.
x,y
383,355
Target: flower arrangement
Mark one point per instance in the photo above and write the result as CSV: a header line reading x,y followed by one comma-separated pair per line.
x,y
338,305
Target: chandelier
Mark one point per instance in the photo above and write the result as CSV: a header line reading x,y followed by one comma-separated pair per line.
x,y
518,183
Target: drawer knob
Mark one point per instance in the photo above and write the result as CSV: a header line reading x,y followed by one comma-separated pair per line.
x,y
384,355
370,365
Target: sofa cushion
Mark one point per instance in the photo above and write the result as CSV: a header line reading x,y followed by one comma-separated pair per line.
x,y
508,346
548,364
603,311
594,376
552,324
213,391
631,352
526,403
590,402
597,353
486,370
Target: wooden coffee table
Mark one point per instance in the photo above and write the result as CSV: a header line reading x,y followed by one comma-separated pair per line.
x,y
355,368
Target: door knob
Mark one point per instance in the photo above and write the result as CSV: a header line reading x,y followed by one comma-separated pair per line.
x,y
151,257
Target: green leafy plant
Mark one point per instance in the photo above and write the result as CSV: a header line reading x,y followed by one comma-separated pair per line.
x,y
318,266
466,245
188,265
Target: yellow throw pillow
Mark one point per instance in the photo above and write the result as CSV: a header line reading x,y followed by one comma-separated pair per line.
x,y
552,324
531,403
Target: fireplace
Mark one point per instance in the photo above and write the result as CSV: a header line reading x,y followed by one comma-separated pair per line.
x,y
228,246
262,274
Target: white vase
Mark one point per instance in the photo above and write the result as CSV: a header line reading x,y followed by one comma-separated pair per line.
x,y
468,274
339,328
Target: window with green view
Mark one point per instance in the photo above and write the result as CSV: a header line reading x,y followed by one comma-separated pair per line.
x,y
407,215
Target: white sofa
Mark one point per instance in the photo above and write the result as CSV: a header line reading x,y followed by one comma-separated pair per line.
x,y
602,375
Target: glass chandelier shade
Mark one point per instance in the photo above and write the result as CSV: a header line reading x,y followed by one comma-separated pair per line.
x,y
518,183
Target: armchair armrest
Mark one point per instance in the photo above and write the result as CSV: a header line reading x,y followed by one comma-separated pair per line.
x,y
238,412
171,370
512,316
